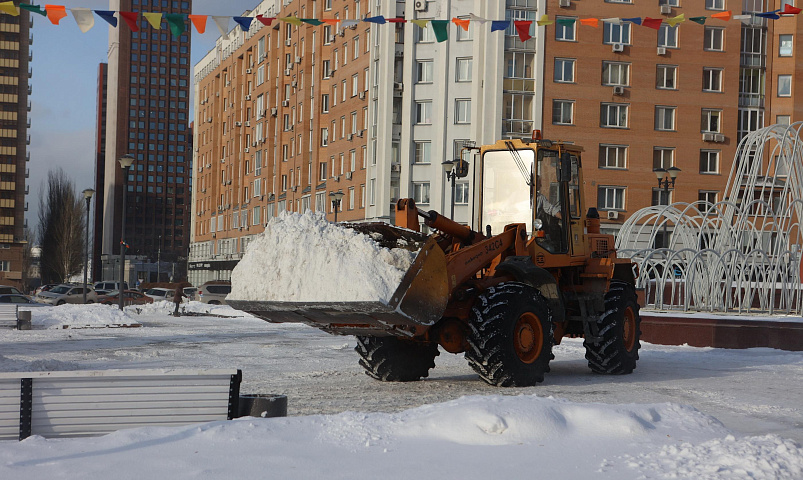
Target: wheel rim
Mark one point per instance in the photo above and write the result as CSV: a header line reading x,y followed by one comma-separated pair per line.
x,y
528,338
629,329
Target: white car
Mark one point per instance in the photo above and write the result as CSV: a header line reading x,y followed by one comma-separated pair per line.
x,y
158,294
67,293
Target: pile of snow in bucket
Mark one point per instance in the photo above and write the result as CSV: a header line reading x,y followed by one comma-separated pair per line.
x,y
305,258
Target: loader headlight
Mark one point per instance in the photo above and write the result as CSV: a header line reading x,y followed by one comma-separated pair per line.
x,y
538,224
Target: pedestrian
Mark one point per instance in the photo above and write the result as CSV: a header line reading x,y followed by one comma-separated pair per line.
x,y
177,300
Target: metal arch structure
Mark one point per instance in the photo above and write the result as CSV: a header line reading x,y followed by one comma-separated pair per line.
x,y
739,255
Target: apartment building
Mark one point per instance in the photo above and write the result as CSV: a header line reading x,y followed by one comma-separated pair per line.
x,y
281,116
15,55
683,96
147,95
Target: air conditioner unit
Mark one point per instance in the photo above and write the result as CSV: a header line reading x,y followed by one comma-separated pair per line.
x,y
274,111
247,123
618,47
618,90
666,9
286,72
295,188
238,124
719,138
246,150
298,59
254,144
348,175
294,84
420,5
565,3
349,137
398,86
285,103
708,137
248,70
336,178
248,97
362,95
399,53
209,120
395,167
613,215
342,33
661,50
287,43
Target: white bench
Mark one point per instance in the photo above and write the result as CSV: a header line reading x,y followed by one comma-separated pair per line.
x,y
8,315
97,402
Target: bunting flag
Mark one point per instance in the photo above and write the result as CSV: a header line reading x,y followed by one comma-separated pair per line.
x,y
131,20
675,20
154,18
243,22
83,18
396,20
461,23
523,28
440,28
700,20
421,23
222,24
176,23
335,21
33,8
636,20
108,16
477,19
309,21
724,16
499,25
293,20
200,22
613,21
654,23
544,20
773,15
348,23
565,21
55,13
379,20
9,8
589,22
265,20
790,10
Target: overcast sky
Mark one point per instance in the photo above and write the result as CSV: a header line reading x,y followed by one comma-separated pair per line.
x,y
65,65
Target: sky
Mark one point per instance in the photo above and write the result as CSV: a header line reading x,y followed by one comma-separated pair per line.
x,y
679,415
63,101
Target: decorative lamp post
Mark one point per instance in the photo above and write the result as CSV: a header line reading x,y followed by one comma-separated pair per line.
x,y
666,181
88,197
125,162
449,169
336,197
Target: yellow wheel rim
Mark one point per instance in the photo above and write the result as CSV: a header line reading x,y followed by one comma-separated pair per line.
x,y
528,338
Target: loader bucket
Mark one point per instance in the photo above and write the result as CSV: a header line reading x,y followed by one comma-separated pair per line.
x,y
418,302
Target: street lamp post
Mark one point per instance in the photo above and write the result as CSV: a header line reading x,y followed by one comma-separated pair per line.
x,y
125,162
666,180
88,197
449,169
159,260
336,197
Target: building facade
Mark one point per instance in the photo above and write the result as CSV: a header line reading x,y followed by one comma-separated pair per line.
x,y
15,55
147,116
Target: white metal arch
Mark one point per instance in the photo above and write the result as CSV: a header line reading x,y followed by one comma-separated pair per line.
x,y
741,254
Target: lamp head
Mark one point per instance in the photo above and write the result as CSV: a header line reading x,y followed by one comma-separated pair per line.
x,y
659,172
338,195
88,192
126,160
673,172
447,166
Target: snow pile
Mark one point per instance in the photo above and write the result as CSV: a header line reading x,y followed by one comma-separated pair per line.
x,y
305,258
75,316
192,307
515,435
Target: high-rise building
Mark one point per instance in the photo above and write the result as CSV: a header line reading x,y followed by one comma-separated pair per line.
x,y
147,116
15,56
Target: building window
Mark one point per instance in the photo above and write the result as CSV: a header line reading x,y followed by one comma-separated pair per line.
x,y
422,150
665,77
564,70
668,36
463,69
425,34
463,35
663,157
519,65
613,33
709,161
424,71
665,118
613,115
712,79
710,121
714,39
324,137
785,45
461,193
661,196
322,171
671,3
784,85
462,110
715,4
423,113
615,73
783,119
421,192
613,156
708,196
565,32
562,112
611,198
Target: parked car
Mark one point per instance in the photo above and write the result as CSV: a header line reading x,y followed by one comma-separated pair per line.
x,y
214,292
7,289
20,300
44,288
131,297
158,294
191,293
104,287
66,293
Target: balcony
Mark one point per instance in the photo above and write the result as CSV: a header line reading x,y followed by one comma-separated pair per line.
x,y
751,100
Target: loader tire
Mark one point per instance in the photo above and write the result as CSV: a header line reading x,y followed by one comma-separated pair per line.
x,y
615,351
510,343
392,360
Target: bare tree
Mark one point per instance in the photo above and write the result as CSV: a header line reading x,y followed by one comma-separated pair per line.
x,y
61,228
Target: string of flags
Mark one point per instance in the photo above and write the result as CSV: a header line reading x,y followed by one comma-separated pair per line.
x,y
177,22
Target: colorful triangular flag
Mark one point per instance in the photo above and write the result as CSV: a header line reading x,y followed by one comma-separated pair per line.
x,y
244,22
9,8
499,25
523,28
222,24
176,23
441,29
379,19
544,20
462,23
107,15
199,21
654,23
675,20
154,18
131,20
83,18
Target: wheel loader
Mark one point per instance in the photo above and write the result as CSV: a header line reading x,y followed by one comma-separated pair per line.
x,y
540,271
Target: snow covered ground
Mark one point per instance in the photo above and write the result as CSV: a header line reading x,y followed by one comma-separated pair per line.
x,y
685,412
